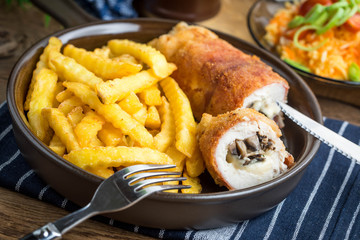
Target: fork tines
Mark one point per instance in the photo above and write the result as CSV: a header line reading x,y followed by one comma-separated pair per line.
x,y
134,175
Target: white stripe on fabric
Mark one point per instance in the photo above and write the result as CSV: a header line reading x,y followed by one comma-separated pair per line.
x,y
242,229
2,104
215,234
111,222
317,185
336,201
273,220
188,234
5,132
41,194
352,222
22,179
348,231
13,157
161,233
64,202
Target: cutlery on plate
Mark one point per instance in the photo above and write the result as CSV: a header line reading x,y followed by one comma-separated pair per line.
x,y
332,139
118,192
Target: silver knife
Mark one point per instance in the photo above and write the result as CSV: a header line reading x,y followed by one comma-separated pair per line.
x,y
332,139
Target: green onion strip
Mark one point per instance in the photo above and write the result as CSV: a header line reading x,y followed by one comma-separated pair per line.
x,y
322,18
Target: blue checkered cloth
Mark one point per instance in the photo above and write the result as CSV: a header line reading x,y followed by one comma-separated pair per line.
x,y
325,204
109,9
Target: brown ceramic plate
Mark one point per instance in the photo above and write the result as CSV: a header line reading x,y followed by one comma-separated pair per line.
x,y
258,18
216,206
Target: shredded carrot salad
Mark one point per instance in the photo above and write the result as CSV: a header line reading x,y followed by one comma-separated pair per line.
x,y
333,51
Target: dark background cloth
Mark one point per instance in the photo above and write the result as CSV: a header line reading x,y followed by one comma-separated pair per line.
x,y
109,9
325,204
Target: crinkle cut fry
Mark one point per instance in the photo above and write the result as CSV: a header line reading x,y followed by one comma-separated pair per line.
x,y
72,71
115,90
149,55
42,97
104,68
62,128
54,45
113,113
120,156
184,120
166,136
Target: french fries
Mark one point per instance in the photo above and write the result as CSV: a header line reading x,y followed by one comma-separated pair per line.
x,y
194,182
70,70
166,136
120,156
62,128
152,57
42,97
151,96
57,146
87,129
54,45
184,119
104,68
112,113
103,110
114,90
195,165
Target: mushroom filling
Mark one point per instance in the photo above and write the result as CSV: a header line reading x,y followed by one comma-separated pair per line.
x,y
250,150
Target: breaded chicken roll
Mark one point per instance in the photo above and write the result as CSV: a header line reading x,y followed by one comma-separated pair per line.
x,y
242,148
217,77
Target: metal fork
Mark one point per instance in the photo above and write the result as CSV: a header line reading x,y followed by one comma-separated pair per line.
x,y
122,190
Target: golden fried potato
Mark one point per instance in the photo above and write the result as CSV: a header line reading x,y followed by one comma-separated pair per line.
x,y
194,182
104,68
166,136
151,96
111,136
103,52
53,45
124,58
69,69
145,53
63,95
115,90
84,93
104,110
177,157
184,120
87,129
112,113
62,128
140,115
152,118
58,89
57,146
195,165
42,97
75,116
69,104
121,156
131,104
128,125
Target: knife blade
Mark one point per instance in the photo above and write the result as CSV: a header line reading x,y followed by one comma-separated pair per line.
x,y
325,135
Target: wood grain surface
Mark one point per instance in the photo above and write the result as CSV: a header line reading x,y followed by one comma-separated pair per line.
x,y
20,27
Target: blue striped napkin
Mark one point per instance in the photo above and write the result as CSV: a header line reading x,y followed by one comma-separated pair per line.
x,y
325,205
109,9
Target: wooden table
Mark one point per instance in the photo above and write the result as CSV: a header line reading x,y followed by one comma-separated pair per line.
x,y
21,214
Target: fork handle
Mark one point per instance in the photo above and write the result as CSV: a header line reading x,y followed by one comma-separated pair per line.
x,y
52,231
47,232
